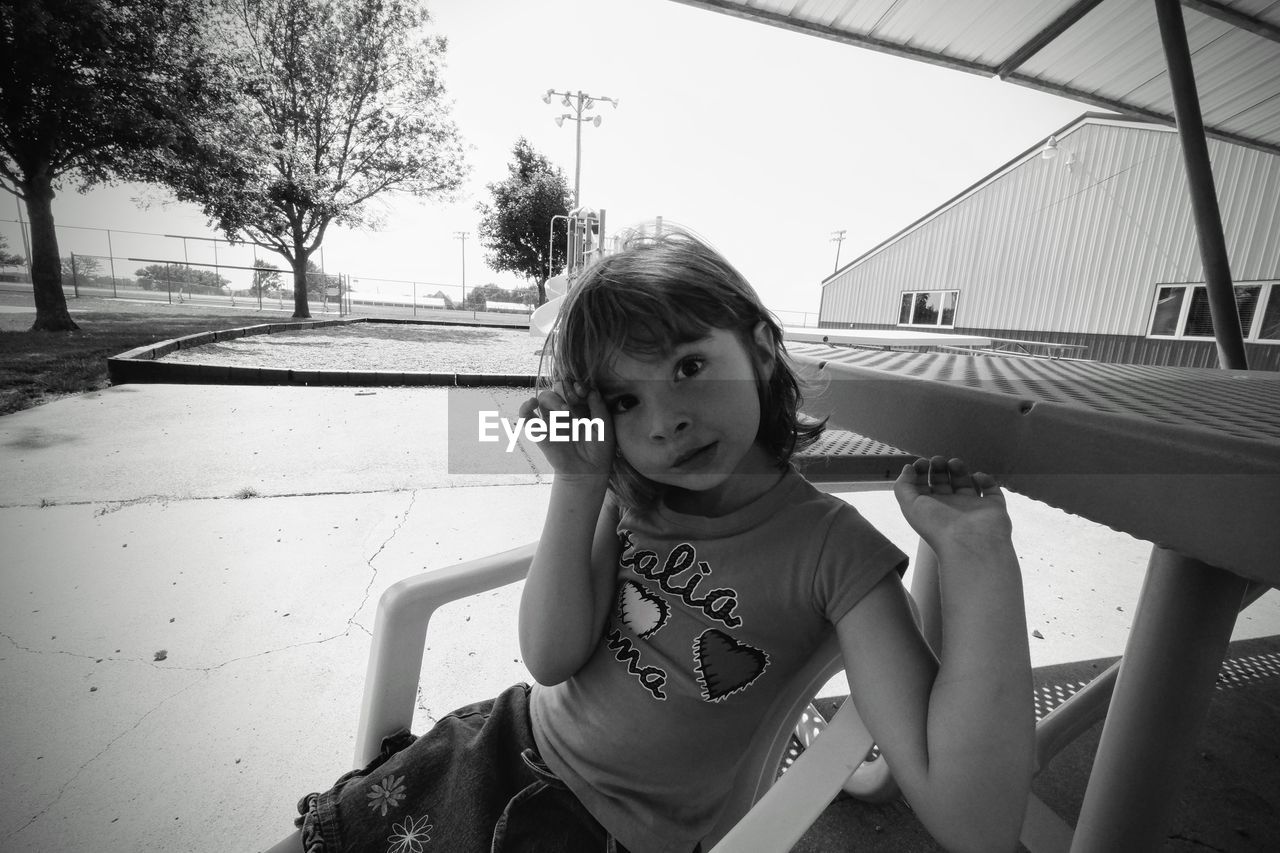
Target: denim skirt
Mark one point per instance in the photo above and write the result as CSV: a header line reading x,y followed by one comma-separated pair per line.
x,y
474,782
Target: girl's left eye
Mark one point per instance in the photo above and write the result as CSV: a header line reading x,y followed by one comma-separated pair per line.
x,y
690,366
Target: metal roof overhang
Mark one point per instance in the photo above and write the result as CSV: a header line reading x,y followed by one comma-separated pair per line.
x,y
1208,67
1107,53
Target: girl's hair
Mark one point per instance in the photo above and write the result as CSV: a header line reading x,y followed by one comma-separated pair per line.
x,y
661,290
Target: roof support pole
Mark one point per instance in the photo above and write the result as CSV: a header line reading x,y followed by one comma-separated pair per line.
x,y
1204,198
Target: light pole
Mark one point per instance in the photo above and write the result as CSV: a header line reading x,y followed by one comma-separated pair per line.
x,y
837,237
462,235
579,102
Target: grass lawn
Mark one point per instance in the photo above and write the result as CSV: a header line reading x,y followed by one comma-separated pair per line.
x,y
36,367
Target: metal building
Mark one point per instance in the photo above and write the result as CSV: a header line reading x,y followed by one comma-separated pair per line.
x,y
1087,239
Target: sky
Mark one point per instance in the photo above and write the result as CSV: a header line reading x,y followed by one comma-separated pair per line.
x,y
763,141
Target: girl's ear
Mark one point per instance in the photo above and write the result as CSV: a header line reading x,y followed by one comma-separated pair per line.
x,y
764,346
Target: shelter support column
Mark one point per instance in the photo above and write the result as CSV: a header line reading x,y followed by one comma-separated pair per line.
x,y
1181,628
1204,198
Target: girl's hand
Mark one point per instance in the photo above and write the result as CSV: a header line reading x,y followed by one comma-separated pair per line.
x,y
951,508
588,457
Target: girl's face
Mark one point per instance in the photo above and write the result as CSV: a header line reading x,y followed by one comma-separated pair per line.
x,y
688,417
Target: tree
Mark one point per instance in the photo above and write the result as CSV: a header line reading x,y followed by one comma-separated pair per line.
x,y
160,276
7,258
318,280
266,278
90,88
478,296
80,265
516,228
341,101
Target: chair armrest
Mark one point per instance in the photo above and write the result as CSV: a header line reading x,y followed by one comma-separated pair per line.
x,y
794,802
400,633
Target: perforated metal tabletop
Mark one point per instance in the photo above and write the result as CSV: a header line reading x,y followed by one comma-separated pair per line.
x,y
1186,458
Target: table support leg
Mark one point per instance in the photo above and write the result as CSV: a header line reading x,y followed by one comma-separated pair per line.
x,y
1181,627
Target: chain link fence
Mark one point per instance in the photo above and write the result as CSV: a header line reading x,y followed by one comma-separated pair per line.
x,y
182,269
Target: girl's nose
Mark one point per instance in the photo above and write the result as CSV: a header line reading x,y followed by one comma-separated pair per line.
x,y
667,424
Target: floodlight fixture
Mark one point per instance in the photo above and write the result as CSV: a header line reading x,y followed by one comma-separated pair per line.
x,y
579,102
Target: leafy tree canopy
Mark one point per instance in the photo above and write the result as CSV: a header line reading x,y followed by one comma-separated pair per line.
x,y
340,102
91,88
478,296
516,227
7,258
177,273
81,265
266,277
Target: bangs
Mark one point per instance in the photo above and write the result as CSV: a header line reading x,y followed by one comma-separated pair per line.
x,y
638,319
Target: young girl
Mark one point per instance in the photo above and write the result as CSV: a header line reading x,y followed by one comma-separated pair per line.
x,y
685,570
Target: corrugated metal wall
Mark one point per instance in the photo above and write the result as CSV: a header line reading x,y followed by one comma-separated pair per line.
x,y
1073,244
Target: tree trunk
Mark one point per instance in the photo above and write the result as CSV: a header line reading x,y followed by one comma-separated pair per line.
x,y
301,307
46,267
542,289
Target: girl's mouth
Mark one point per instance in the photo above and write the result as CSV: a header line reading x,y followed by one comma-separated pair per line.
x,y
695,458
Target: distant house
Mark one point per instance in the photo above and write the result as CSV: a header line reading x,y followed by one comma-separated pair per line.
x,y
1093,245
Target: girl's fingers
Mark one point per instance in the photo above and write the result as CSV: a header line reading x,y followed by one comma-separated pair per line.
x,y
986,484
596,406
550,401
939,476
913,480
961,481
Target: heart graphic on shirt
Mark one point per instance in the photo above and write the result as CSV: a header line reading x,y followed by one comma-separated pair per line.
x,y
725,665
641,610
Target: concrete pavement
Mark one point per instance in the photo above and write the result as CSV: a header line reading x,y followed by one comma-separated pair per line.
x,y
188,578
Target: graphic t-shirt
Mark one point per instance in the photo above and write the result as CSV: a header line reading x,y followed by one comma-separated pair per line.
x,y
711,618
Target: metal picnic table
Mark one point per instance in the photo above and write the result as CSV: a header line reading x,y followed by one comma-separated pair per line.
x,y
1188,459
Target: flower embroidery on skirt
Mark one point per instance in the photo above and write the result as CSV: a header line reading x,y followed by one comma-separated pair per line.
x,y
387,794
410,836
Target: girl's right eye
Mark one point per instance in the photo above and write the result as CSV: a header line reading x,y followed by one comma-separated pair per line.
x,y
622,403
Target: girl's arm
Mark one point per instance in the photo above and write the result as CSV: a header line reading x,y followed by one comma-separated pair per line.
x,y
957,734
570,585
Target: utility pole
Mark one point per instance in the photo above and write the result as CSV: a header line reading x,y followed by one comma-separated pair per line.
x,y
837,237
462,235
579,102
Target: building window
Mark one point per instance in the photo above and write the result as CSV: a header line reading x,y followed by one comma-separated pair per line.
x,y
1182,311
928,308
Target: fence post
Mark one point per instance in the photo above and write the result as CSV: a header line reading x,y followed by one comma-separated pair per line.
x,y
111,259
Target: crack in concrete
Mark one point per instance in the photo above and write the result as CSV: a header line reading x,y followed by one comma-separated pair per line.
x,y
30,650
110,506
1197,842
352,621
373,576
76,775
205,671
